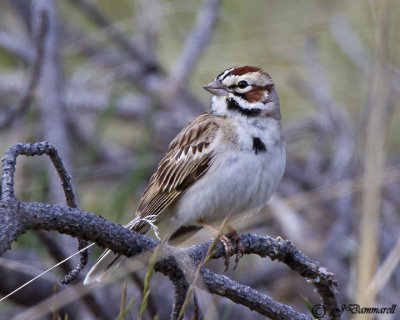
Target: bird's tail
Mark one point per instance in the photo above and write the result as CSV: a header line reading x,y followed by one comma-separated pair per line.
x,y
109,260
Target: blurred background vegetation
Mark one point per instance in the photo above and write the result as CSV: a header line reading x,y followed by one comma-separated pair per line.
x,y
119,79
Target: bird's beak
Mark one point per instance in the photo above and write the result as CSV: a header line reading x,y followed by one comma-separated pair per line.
x,y
217,88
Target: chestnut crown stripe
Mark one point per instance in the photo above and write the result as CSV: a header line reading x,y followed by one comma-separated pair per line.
x,y
238,71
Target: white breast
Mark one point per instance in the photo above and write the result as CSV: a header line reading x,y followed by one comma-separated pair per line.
x,y
238,180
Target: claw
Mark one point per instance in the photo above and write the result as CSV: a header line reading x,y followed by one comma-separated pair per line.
x,y
228,240
229,252
240,247
239,252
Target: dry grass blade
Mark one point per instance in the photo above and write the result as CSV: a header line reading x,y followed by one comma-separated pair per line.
x,y
22,267
122,309
374,161
385,271
149,273
207,257
45,272
57,301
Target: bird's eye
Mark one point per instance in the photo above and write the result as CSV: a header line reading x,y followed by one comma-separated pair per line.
x,y
242,84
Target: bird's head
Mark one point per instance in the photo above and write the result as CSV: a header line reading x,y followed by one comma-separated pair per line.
x,y
244,91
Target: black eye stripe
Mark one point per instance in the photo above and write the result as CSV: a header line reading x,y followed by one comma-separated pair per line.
x,y
267,87
234,86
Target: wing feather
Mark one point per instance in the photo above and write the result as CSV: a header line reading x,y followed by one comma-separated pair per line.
x,y
188,158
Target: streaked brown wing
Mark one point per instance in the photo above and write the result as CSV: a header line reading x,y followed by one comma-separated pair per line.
x,y
188,158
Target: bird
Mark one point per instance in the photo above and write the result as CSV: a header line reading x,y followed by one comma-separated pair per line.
x,y
229,159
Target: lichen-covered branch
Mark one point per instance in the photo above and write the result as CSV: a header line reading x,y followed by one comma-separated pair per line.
x,y
78,223
18,217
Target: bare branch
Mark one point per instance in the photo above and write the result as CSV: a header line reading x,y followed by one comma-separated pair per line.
x,y
194,45
9,43
333,116
72,273
249,297
35,74
181,287
45,148
115,35
353,47
144,73
109,235
350,43
54,249
132,106
40,148
18,217
53,126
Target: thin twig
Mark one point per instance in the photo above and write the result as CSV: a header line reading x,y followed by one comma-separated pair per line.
x,y
54,249
350,43
357,52
35,74
71,202
115,35
333,115
194,45
9,43
52,113
53,118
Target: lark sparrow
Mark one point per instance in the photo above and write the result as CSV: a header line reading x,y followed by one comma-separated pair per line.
x,y
228,159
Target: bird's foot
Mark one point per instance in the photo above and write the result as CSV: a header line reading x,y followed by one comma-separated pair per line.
x,y
228,240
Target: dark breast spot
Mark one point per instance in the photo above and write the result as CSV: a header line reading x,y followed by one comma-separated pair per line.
x,y
258,145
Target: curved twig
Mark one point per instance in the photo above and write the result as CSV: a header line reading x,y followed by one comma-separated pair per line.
x,y
17,217
38,149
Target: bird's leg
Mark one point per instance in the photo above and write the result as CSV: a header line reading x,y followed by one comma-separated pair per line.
x,y
227,240
233,235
